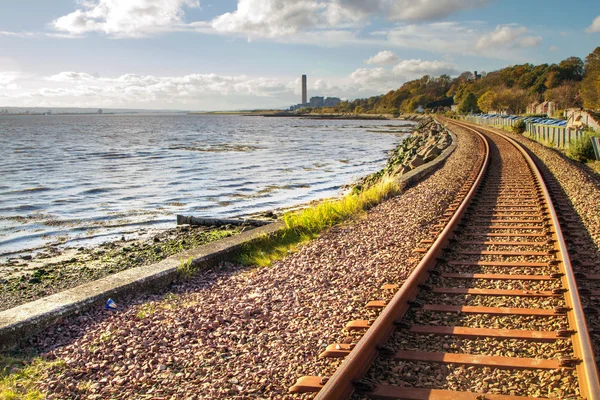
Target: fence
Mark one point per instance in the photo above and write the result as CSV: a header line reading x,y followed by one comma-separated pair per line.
x,y
559,136
596,145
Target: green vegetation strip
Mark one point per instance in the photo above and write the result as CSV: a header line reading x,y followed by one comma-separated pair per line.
x,y
304,225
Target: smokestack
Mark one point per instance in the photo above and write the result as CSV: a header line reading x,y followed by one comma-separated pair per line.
x,y
304,97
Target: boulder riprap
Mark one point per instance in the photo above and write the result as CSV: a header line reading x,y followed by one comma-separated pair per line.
x,y
426,143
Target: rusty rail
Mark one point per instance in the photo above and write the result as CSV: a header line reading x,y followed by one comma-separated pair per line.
x,y
359,358
587,370
355,365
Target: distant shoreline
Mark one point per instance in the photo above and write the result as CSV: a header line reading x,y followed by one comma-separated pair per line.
x,y
333,116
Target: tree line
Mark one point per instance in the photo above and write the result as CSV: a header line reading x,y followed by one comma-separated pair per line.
x,y
570,83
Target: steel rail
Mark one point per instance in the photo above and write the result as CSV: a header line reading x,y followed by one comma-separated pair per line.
x,y
587,371
357,363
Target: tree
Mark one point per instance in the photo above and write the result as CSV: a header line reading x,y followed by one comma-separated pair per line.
x,y
513,100
571,69
565,95
553,78
462,92
465,77
468,105
590,85
570,83
486,101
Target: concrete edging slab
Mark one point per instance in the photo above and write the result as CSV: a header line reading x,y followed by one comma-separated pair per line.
x,y
26,320
23,321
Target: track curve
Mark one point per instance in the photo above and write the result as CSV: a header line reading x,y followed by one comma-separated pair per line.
x,y
503,221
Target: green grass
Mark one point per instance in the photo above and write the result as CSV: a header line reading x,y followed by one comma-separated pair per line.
x,y
308,223
185,268
582,150
19,377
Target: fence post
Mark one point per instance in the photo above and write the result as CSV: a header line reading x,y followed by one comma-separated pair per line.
x,y
596,146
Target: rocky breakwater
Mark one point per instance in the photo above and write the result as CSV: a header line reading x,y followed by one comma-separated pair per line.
x,y
428,141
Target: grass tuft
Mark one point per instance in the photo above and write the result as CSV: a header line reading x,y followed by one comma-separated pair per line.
x,y
19,377
308,223
185,268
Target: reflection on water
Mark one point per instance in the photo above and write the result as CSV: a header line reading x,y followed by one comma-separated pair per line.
x,y
80,179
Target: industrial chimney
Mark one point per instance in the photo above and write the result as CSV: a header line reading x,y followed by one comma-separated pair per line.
x,y
304,96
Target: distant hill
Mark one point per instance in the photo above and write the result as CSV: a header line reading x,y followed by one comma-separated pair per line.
x,y
571,83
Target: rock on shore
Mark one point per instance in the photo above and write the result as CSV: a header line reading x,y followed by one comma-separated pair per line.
x,y
427,142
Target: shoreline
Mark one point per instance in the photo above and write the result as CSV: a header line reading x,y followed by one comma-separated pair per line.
x,y
230,297
52,268
40,276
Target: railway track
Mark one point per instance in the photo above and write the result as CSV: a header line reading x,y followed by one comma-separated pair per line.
x,y
492,311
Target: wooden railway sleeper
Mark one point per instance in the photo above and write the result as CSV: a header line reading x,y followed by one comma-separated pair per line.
x,y
531,202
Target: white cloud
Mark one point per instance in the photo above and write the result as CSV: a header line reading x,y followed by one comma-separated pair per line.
x,y
271,18
415,68
252,18
384,57
423,10
380,80
554,48
191,91
7,77
120,18
277,18
595,26
68,76
376,78
18,34
200,91
507,36
467,38
8,80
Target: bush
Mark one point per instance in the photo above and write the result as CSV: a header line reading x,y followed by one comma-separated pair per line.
x,y
519,126
581,150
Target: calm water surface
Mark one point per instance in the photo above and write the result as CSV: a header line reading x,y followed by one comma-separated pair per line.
x,y
77,180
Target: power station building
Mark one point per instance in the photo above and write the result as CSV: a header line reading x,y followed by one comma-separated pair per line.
x,y
315,102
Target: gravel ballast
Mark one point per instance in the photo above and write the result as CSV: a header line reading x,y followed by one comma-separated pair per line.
x,y
505,163
583,190
249,333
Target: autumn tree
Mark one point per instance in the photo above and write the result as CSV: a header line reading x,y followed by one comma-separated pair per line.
x,y
468,105
513,100
570,83
571,69
590,85
486,101
565,95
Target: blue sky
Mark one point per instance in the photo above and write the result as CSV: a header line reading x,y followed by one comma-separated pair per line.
x,y
228,54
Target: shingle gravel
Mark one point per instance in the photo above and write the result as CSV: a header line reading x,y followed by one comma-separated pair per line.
x,y
250,333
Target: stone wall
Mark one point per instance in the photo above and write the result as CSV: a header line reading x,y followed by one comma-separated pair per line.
x,y
578,118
